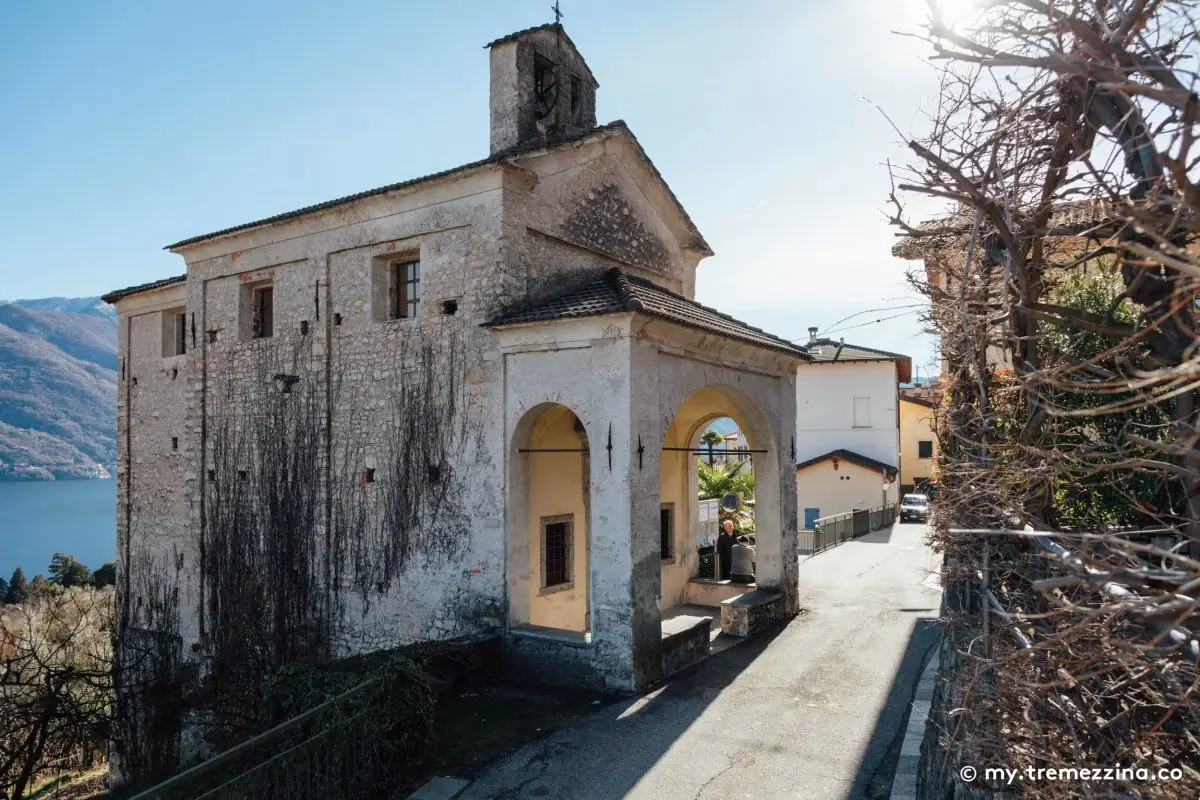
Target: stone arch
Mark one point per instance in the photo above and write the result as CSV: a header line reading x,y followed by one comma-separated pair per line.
x,y
687,422
549,486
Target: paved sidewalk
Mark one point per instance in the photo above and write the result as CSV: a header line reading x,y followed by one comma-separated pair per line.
x,y
816,712
904,784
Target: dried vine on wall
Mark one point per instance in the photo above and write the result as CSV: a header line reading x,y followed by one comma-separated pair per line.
x,y
323,480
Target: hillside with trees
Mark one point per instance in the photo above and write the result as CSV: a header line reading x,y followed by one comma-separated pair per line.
x,y
58,389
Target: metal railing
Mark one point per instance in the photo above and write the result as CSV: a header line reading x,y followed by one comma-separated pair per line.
x,y
325,752
831,531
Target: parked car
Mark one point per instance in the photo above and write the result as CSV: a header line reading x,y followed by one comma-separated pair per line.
x,y
914,508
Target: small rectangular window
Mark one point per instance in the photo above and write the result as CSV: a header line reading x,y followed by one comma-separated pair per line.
x,y
666,531
264,312
862,412
181,334
405,289
576,98
925,449
556,550
174,332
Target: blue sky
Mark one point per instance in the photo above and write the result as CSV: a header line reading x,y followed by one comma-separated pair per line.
x,y
132,124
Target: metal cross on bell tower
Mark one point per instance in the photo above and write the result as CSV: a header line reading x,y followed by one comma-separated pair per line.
x,y
558,15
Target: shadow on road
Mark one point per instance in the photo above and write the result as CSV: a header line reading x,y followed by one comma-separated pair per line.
x,y
606,756
878,765
881,536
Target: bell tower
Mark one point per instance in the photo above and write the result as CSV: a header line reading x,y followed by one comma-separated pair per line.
x,y
541,89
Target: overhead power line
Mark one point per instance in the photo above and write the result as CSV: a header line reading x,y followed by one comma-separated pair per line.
x,y
873,310
865,324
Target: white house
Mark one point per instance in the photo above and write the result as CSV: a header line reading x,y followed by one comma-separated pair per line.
x,y
847,427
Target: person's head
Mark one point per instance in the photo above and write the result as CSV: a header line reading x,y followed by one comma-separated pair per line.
x,y
728,526
743,540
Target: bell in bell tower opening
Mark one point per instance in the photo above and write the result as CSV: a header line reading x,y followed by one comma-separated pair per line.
x,y
541,89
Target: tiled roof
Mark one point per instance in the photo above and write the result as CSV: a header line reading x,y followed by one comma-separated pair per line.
x,y
618,125
116,295
953,230
616,291
853,457
823,350
920,401
518,34
548,26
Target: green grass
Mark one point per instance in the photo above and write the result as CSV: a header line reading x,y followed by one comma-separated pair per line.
x,y
71,785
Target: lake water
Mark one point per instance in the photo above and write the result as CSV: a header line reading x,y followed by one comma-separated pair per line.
x,y
41,518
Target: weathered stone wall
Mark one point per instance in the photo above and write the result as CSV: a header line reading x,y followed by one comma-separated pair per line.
x,y
589,211
515,117
153,551
480,244
340,486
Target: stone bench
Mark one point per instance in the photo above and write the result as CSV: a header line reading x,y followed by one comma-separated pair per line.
x,y
709,592
751,612
685,641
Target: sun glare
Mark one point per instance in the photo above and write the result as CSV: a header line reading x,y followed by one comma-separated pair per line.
x,y
951,12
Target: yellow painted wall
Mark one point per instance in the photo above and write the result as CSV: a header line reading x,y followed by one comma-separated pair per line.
x,y
916,424
673,488
821,486
556,487
678,485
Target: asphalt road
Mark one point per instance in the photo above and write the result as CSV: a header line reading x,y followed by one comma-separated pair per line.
x,y
816,712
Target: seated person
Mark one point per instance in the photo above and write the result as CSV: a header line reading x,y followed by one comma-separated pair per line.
x,y
741,563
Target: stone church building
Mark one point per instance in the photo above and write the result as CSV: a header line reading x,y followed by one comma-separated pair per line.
x,y
463,403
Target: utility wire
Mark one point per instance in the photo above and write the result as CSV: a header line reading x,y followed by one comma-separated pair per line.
x,y
865,324
873,310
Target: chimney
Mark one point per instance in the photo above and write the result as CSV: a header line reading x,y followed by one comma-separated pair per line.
x,y
812,334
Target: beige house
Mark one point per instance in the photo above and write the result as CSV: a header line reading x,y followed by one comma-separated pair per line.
x,y
465,403
843,481
918,443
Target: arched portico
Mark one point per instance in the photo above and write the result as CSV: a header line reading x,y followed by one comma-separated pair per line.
x,y
638,383
678,484
549,504
683,394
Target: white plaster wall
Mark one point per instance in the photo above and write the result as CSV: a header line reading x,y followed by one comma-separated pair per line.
x,y
582,365
632,377
825,410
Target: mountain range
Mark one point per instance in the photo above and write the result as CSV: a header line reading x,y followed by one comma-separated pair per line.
x,y
58,388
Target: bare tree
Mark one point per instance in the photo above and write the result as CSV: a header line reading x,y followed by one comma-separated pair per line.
x,y
55,683
1062,284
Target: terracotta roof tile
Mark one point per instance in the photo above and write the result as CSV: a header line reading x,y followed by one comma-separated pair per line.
x,y
615,292
617,125
853,457
833,350
117,294
547,27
